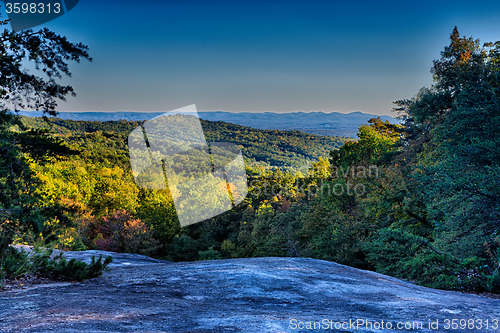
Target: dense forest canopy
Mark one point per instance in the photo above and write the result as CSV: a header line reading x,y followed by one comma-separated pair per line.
x,y
419,201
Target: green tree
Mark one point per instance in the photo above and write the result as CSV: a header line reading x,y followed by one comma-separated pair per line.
x,y
376,141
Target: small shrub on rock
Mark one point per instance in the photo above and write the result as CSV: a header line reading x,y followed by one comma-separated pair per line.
x,y
15,264
59,268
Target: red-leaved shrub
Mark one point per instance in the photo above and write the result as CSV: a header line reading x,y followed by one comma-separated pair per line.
x,y
119,233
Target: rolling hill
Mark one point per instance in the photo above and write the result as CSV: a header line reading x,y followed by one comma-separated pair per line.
x,y
320,123
273,147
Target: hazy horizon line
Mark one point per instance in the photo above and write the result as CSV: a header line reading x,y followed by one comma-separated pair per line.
x,y
278,112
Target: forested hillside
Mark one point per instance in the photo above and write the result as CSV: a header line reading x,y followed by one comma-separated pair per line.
x,y
321,123
108,140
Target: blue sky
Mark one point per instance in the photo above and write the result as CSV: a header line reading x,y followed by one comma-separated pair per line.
x,y
262,55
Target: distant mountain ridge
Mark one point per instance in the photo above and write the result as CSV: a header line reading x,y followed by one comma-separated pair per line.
x,y
321,123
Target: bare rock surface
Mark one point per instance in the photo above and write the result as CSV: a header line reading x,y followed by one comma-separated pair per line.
x,y
140,294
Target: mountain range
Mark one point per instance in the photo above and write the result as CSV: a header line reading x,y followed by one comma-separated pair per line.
x,y
321,123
